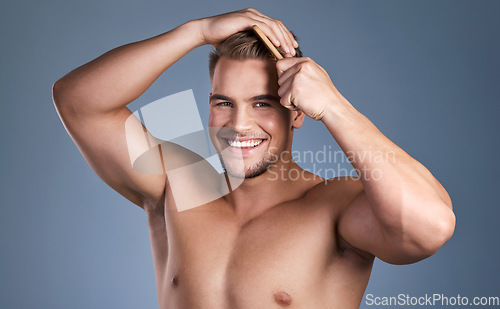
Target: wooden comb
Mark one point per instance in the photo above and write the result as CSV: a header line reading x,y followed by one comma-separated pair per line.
x,y
267,42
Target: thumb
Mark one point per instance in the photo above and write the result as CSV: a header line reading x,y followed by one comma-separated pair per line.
x,y
284,64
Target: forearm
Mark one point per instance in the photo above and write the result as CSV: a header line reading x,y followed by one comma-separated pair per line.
x,y
119,76
404,196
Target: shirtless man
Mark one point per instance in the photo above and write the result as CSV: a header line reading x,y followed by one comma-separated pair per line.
x,y
269,243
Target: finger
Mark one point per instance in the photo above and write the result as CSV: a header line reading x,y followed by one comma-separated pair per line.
x,y
286,95
253,13
286,63
278,32
287,101
256,16
273,36
288,74
288,47
291,39
295,44
284,40
271,31
280,23
285,87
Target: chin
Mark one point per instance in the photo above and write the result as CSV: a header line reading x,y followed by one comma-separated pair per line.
x,y
252,171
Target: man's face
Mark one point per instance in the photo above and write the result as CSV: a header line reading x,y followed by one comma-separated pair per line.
x,y
246,117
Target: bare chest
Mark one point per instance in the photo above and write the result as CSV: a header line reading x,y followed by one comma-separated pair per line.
x,y
286,257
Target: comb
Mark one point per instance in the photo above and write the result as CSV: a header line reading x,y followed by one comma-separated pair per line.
x,y
267,42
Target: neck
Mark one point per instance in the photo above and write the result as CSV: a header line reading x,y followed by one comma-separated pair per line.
x,y
256,195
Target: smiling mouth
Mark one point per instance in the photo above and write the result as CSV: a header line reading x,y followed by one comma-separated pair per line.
x,y
244,144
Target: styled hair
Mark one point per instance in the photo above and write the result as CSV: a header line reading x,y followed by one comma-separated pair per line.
x,y
243,45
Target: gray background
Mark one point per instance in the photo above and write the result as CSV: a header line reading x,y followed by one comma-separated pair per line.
x,y
425,72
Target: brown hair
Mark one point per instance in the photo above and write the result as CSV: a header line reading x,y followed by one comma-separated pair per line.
x,y
243,45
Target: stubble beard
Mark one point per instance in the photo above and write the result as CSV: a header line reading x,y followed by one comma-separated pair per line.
x,y
251,171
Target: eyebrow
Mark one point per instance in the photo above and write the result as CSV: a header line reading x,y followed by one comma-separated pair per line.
x,y
268,97
262,97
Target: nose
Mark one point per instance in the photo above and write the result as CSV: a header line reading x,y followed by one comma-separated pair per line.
x,y
241,119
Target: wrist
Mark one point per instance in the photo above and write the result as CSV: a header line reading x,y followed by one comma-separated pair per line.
x,y
339,112
194,30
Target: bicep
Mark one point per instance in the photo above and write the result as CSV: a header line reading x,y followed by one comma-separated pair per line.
x,y
110,144
359,226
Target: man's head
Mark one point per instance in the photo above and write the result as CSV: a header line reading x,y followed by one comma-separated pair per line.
x,y
246,117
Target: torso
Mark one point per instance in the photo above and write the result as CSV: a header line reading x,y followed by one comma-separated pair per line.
x,y
290,256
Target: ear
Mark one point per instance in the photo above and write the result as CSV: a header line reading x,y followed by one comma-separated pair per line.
x,y
298,119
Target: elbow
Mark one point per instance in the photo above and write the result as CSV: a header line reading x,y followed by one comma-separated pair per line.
x,y
446,229
58,91
439,232
58,98
424,241
64,99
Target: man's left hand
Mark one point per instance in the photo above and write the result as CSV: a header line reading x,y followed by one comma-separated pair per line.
x,y
306,86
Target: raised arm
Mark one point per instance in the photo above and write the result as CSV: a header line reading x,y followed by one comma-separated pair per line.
x,y
401,213
91,100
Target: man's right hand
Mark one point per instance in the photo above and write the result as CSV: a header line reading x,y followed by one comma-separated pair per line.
x,y
216,29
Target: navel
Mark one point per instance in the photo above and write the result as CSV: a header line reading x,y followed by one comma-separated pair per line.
x,y
283,298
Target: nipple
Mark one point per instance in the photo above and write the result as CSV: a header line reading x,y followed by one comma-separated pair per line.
x,y
175,281
282,298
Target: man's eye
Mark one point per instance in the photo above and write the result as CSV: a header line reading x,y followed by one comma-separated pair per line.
x,y
224,104
261,104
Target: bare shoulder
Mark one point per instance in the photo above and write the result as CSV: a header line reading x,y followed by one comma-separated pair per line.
x,y
336,193
332,197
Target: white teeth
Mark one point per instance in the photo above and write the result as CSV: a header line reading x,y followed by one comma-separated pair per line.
x,y
250,143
